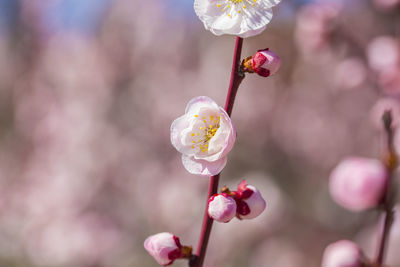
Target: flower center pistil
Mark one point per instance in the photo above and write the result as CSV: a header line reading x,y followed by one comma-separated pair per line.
x,y
238,6
206,133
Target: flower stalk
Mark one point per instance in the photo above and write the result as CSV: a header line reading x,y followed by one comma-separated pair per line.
x,y
390,161
237,76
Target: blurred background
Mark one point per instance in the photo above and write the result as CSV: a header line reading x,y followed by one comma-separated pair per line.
x,y
89,88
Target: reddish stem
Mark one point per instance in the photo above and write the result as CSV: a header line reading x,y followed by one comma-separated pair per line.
x,y
388,202
237,76
198,260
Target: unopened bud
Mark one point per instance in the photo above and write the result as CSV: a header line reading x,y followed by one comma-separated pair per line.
x,y
343,253
164,247
265,63
222,207
358,183
250,203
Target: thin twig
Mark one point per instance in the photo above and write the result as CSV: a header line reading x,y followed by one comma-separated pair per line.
x,y
237,76
390,161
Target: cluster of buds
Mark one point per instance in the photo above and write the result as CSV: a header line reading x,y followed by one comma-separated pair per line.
x,y
264,62
244,203
356,184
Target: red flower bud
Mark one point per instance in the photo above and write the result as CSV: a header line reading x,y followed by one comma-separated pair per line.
x,y
266,62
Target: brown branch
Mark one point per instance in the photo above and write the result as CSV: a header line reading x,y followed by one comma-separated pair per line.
x,y
237,76
390,160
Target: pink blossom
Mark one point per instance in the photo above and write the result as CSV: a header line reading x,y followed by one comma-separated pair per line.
x,y
249,201
358,183
343,253
204,136
383,53
164,247
314,24
222,207
266,62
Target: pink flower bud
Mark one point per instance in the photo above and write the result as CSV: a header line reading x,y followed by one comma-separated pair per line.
x,y
266,62
250,203
358,183
343,253
221,207
164,247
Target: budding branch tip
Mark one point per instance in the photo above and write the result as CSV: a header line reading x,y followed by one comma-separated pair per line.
x,y
387,119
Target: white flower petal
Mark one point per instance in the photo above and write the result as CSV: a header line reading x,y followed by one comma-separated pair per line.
x,y
194,105
252,33
208,8
203,167
226,23
256,20
177,127
270,3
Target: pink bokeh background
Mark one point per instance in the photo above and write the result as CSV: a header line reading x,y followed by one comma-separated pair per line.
x,y
87,170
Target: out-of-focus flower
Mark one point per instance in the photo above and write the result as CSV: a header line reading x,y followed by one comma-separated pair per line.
x,y
250,203
383,53
204,136
264,63
164,247
343,253
222,207
244,18
72,241
314,24
389,81
358,183
386,4
350,73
